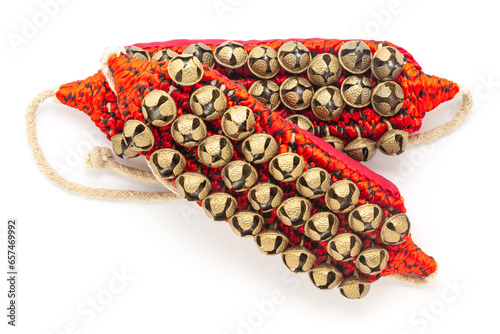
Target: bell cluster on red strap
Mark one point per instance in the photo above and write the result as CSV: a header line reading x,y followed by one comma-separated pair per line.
x,y
312,84
297,198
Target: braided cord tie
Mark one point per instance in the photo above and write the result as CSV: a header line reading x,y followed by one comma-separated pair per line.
x,y
449,126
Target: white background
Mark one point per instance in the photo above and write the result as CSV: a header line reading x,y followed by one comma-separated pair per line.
x,y
184,273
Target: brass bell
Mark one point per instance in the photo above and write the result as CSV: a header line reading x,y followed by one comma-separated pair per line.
x,y
302,122
395,229
361,149
239,175
137,53
159,108
202,52
286,167
294,57
356,91
298,259
185,70
208,103
215,151
220,206
324,70
393,141
294,211
231,54
388,98
246,223
342,196
372,261
322,226
313,183
265,196
387,63
354,287
344,247
271,241
365,218
188,130
263,62
138,136
267,92
325,276
121,148
259,148
355,56
335,142
296,93
238,122
193,186
169,163
327,103
164,55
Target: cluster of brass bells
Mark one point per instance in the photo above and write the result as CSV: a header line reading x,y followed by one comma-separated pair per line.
x,y
297,93
209,103
341,197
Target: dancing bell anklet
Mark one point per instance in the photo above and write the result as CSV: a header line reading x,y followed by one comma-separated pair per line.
x,y
255,133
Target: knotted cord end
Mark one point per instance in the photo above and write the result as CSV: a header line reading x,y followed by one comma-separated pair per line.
x,y
97,157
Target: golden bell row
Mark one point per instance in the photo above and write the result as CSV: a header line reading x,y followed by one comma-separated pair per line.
x,y
294,57
297,93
